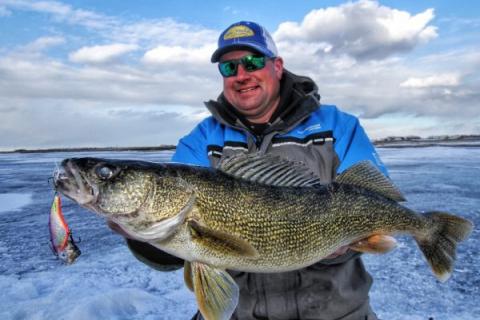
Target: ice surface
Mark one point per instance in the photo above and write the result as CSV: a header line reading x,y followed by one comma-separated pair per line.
x,y
111,286
14,201
107,282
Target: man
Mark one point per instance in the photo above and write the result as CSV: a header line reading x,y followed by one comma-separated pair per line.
x,y
265,108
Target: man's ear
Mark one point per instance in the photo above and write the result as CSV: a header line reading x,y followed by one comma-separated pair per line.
x,y
278,67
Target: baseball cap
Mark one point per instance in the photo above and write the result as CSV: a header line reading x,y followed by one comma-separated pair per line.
x,y
245,35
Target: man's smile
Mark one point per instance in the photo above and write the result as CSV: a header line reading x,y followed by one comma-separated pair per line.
x,y
248,89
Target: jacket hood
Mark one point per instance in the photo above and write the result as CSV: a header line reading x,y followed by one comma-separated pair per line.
x,y
298,99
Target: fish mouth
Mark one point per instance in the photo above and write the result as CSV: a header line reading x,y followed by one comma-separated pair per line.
x,y
69,180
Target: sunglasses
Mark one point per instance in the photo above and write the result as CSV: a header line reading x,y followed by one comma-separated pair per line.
x,y
250,63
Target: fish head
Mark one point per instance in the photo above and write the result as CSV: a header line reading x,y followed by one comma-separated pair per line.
x,y
115,189
146,200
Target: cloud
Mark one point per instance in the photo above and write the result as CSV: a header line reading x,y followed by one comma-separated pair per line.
x,y
163,54
44,43
51,123
441,80
420,126
120,84
378,88
165,32
63,13
101,53
364,30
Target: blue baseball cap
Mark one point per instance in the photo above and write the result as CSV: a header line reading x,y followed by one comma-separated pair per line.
x,y
245,35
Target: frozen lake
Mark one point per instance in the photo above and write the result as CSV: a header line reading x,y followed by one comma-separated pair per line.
x,y
107,282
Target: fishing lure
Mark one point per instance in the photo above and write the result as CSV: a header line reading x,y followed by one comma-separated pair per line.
x,y
61,240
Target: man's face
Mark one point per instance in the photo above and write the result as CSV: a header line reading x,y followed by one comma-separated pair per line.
x,y
254,94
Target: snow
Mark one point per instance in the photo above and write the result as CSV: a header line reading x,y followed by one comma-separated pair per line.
x,y
14,201
107,282
112,285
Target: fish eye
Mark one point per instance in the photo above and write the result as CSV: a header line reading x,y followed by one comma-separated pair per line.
x,y
104,172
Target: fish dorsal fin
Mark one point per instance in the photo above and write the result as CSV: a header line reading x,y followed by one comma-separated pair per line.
x,y
365,175
269,169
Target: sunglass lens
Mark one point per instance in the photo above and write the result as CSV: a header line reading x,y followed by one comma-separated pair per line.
x,y
252,63
228,68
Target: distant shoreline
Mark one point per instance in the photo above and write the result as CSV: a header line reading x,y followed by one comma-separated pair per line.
x,y
469,141
93,149
462,141
426,145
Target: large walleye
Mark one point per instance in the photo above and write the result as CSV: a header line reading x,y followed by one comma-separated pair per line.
x,y
255,214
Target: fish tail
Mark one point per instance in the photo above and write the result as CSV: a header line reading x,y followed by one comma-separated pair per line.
x,y
440,244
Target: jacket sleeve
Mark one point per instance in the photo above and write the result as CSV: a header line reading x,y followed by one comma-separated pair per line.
x,y
352,144
192,149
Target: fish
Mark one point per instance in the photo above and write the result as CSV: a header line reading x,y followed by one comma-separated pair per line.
x,y
61,240
255,213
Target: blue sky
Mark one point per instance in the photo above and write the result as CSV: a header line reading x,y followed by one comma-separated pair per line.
x,y
123,73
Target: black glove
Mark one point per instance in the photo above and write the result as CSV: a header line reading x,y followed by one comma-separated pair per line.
x,y
154,257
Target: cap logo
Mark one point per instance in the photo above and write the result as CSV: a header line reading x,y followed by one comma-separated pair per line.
x,y
238,32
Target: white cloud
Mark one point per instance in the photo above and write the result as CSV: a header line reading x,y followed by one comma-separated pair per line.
x,y
401,125
44,43
364,30
176,54
63,13
101,53
53,123
164,32
43,78
441,80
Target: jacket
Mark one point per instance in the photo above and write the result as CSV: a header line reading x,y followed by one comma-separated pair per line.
x,y
328,141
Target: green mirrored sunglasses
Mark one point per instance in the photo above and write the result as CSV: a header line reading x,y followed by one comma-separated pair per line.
x,y
250,63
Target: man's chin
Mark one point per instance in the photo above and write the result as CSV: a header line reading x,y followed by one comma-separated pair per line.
x,y
248,109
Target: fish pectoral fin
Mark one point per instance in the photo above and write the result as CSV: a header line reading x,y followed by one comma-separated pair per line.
x,y
219,241
216,292
377,243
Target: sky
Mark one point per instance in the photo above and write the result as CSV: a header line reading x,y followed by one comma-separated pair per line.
x,y
136,73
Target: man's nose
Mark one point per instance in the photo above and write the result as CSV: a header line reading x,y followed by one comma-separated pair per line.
x,y
242,74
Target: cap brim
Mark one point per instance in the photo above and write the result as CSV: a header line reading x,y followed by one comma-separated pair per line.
x,y
244,46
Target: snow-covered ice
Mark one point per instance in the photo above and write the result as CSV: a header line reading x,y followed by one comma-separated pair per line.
x,y
14,201
107,282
